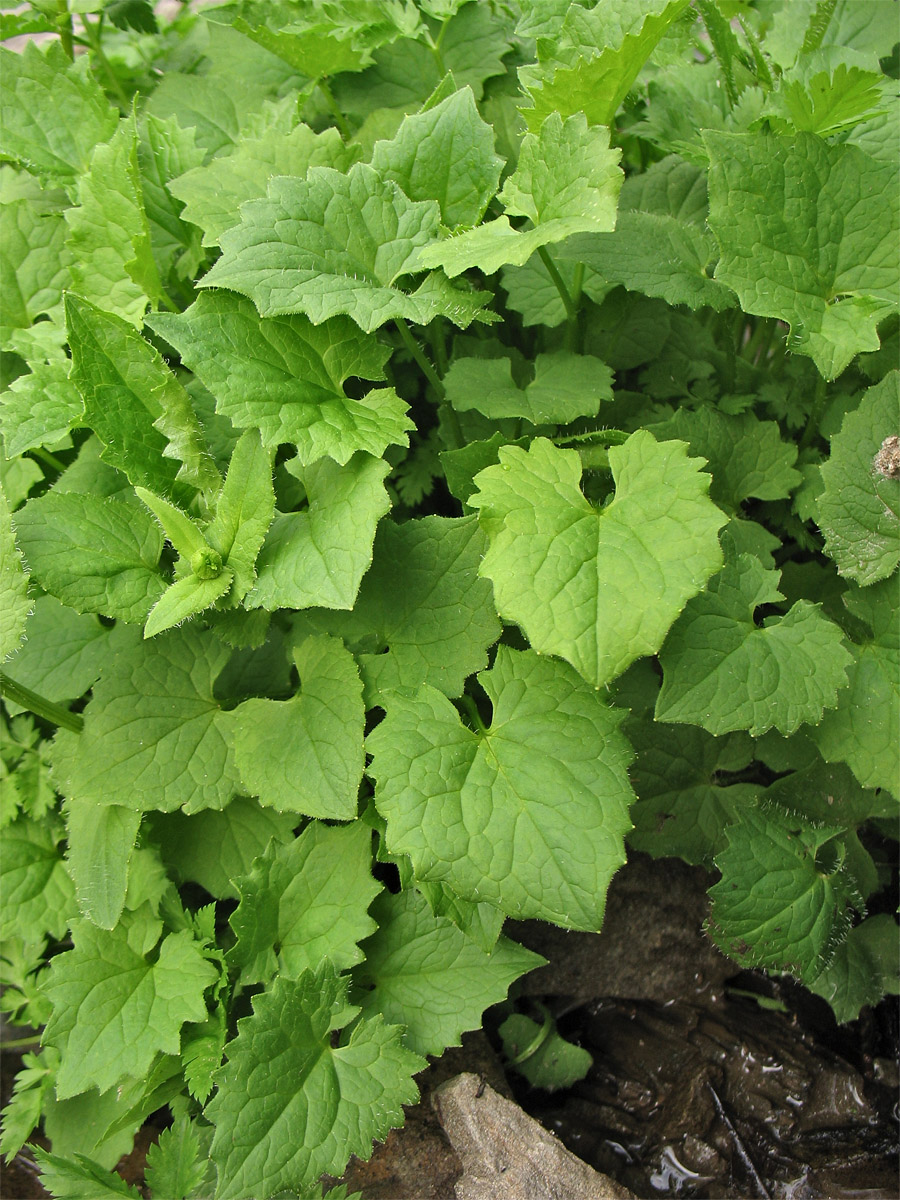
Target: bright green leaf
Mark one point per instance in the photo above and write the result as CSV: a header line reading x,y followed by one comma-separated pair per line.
x,y
40,408
34,264
63,652
565,387
80,1178
100,841
14,603
552,1063
37,897
176,1168
185,598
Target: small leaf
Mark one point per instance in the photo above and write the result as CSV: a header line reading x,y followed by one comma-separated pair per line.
x,y
185,598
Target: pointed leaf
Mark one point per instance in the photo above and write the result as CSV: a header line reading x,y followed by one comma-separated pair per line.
x,y
185,598
472,810
37,897
599,588
176,1167
100,842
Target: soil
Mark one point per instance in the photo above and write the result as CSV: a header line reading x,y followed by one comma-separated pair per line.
x,y
706,1083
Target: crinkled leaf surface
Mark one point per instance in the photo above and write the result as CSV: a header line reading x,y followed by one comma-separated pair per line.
x,y
54,111
567,181
305,755
724,672
598,587
94,553
774,906
565,387
596,58
150,738
113,1010
285,376
529,815
421,972
444,153
859,509
39,408
63,651
862,732
808,233
166,150
864,968
34,266
331,244
290,1104
318,556
214,193
135,404
15,605
422,615
304,902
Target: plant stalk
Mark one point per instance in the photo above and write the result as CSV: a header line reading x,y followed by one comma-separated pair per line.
x,y
339,119
39,705
64,21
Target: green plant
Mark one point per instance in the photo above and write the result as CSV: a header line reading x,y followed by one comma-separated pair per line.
x,y
445,444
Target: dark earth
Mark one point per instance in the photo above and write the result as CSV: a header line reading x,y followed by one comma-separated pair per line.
x,y
707,1082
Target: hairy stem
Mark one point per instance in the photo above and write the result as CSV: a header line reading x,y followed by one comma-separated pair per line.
x,y
39,705
64,21
339,119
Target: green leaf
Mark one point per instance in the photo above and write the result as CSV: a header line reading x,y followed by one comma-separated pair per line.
x,y
864,968
95,554
80,1178
565,387
14,603
54,111
165,152
661,245
331,244
422,615
685,795
34,265
781,902
421,972
100,842
471,810
37,897
444,153
553,1063
305,755
599,588
723,671
185,598
109,237
150,738
21,1113
859,508
596,59
304,902
244,511
290,1104
40,408
808,233
319,556
113,1010
135,405
285,376
746,456
214,848
862,731
531,291
175,1165
567,181
827,97
214,193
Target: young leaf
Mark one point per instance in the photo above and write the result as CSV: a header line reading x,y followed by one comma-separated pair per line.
x,y
80,1178
862,731
285,376
54,111
175,1166
35,265
599,588
444,153
864,968
330,244
95,554
319,556
304,902
777,905
14,603
181,530
724,672
290,1103
40,408
150,739
305,755
565,387
567,181
421,972
545,1059
471,809
859,508
185,598
808,233
244,512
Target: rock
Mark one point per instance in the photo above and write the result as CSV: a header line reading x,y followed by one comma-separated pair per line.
x,y
652,946
506,1155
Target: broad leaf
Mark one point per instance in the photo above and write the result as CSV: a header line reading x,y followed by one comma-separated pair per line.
x,y
113,1010
565,387
723,671
40,408
421,972
291,1104
63,653
34,265
598,587
471,809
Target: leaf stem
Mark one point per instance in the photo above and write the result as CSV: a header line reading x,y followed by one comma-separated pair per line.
x,y
339,119
419,355
559,283
39,705
48,459
815,413
472,711
64,21
16,1043
93,37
